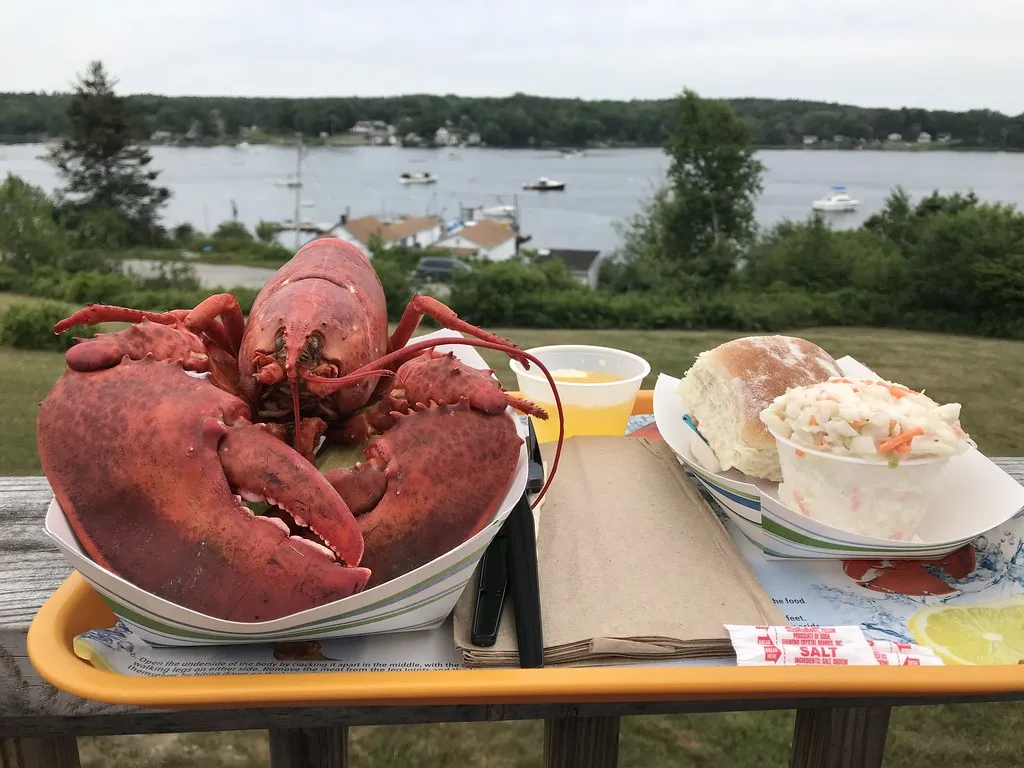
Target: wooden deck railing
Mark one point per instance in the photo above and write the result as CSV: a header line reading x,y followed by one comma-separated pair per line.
x,y
39,724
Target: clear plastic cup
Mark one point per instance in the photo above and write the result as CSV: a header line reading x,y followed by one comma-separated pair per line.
x,y
597,387
852,494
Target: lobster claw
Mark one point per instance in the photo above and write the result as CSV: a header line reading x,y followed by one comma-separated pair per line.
x,y
150,466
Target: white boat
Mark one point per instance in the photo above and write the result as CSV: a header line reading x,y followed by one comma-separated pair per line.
x,y
499,211
836,200
544,184
418,177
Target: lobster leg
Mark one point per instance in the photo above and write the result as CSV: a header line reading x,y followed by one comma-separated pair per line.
x,y
427,305
311,429
94,314
226,334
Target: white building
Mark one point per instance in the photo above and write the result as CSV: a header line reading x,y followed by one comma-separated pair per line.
x,y
416,231
492,240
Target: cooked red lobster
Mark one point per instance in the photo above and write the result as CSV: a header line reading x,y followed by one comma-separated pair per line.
x,y
156,435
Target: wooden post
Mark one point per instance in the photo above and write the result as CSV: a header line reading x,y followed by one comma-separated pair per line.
x,y
840,737
309,747
581,742
57,752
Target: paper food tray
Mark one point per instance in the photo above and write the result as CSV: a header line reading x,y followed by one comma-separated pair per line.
x,y
977,496
420,599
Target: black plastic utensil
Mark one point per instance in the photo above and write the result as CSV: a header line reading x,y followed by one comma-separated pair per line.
x,y
509,568
524,584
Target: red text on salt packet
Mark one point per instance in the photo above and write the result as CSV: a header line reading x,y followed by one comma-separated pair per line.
x,y
800,646
896,646
907,659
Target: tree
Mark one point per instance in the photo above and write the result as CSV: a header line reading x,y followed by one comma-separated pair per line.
x,y
106,175
714,178
689,238
29,236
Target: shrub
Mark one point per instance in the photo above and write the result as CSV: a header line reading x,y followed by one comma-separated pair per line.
x,y
98,288
30,326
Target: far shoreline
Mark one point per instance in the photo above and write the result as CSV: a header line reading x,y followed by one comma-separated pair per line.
x,y
320,143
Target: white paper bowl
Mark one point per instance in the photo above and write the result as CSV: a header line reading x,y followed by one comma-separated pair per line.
x,y
420,599
976,497
869,498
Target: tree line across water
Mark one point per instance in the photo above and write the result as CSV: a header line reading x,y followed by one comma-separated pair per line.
x,y
520,120
692,258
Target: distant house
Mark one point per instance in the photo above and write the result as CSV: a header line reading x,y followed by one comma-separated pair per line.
x,y
584,265
442,137
473,139
945,138
489,239
809,140
374,132
924,138
895,137
414,231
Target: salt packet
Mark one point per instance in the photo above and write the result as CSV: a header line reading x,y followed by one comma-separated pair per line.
x,y
897,646
908,659
801,646
893,653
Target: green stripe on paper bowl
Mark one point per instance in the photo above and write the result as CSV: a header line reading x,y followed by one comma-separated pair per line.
x,y
774,527
430,581
120,606
172,632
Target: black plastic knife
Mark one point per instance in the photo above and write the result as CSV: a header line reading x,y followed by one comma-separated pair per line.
x,y
509,566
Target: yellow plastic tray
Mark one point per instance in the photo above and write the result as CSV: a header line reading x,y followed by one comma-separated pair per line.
x,y
75,608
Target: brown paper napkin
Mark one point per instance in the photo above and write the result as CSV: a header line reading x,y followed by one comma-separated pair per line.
x,y
633,563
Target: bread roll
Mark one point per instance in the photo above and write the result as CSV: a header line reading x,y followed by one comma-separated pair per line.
x,y
727,388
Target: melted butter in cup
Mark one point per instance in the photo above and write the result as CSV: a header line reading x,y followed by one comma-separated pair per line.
x,y
596,385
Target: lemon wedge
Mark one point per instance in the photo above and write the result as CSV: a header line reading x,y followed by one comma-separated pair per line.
x,y
987,633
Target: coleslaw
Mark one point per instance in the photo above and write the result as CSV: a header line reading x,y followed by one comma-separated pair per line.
x,y
869,419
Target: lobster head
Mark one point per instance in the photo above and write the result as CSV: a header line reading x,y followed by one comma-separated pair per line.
x,y
151,464
322,314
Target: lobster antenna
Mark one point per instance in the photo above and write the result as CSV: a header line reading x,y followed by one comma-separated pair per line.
x,y
399,356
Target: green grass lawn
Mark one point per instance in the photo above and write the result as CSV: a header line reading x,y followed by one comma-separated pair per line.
x,y
984,375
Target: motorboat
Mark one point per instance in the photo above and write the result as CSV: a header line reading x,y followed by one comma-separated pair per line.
x,y
418,177
499,211
836,200
544,184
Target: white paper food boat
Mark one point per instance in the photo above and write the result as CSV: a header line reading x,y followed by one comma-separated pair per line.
x,y
420,599
977,496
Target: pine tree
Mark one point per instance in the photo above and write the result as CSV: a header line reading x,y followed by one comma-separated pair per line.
x,y
109,196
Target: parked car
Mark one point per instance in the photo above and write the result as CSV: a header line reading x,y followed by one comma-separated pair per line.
x,y
438,268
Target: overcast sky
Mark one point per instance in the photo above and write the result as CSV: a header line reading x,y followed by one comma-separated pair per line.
x,y
937,54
